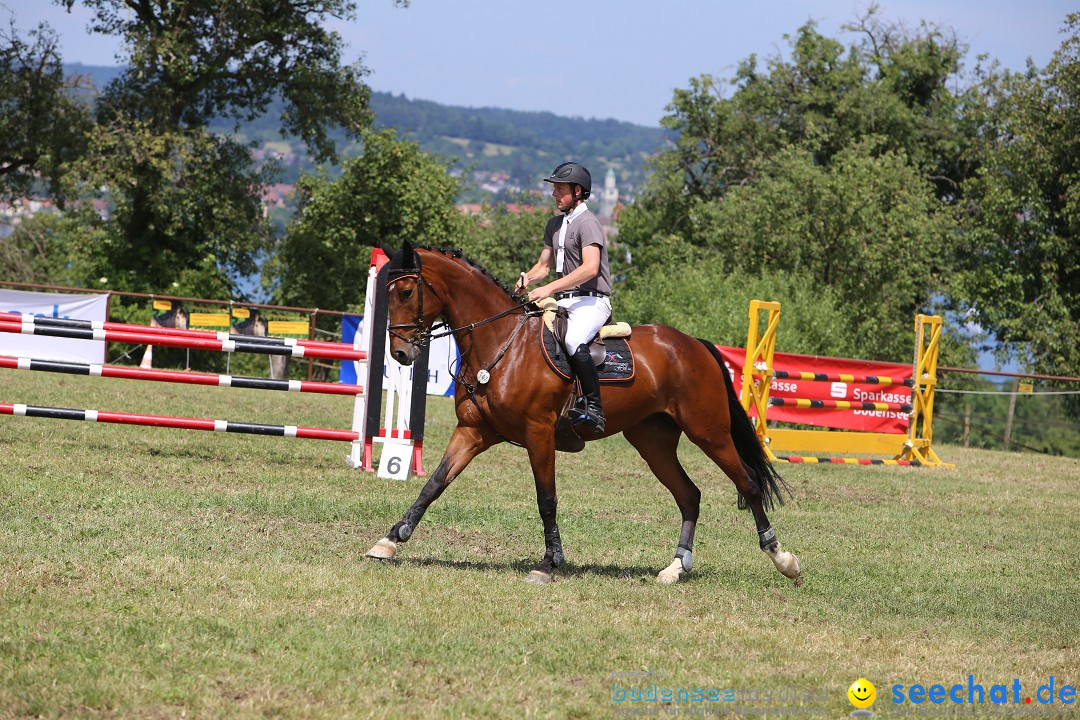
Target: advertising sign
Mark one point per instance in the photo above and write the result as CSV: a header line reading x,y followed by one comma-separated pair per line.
x,y
882,421
281,323
54,305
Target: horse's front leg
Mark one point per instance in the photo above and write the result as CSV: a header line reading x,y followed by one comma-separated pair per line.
x,y
541,449
465,444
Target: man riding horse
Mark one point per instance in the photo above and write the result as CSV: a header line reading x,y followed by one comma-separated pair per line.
x,y
507,392
576,249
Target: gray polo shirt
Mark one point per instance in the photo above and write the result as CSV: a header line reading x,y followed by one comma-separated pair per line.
x,y
584,229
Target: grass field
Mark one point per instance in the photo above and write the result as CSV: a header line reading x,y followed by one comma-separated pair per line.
x,y
149,573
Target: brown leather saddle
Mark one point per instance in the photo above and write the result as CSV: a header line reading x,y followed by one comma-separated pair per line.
x,y
610,351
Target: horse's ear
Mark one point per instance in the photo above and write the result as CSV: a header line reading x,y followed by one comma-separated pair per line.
x,y
404,262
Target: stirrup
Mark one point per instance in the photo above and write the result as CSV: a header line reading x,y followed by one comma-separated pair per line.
x,y
587,418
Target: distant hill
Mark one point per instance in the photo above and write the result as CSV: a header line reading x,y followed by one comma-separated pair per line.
x,y
525,145
99,74
502,150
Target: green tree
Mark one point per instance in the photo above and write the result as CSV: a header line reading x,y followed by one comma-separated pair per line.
x,y
184,217
1022,211
391,193
187,206
837,164
43,121
191,61
865,227
707,300
507,241
891,86
34,252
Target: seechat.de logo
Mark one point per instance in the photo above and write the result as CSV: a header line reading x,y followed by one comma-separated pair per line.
x,y
862,695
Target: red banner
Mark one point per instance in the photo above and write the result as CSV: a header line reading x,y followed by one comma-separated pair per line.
x,y
833,389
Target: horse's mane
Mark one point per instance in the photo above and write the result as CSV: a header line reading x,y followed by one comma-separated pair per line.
x,y
457,254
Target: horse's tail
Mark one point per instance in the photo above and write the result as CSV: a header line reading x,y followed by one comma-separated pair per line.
x,y
763,474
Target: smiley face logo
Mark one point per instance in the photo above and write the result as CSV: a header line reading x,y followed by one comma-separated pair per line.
x,y
862,693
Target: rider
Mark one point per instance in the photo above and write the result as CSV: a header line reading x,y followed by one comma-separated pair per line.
x,y
576,249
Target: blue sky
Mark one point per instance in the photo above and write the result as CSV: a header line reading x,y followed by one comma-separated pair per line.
x,y
604,58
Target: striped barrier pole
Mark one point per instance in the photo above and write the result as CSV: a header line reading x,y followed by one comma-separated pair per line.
x,y
410,420
163,331
177,376
838,404
227,345
123,418
830,377
846,461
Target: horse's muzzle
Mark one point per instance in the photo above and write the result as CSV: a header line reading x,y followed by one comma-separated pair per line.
x,y
406,355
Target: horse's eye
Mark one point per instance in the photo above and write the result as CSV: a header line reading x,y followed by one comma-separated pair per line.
x,y
406,294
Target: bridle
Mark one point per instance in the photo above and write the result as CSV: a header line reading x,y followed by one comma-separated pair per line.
x,y
423,336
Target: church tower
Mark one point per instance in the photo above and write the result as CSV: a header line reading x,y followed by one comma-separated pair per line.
x,y
610,195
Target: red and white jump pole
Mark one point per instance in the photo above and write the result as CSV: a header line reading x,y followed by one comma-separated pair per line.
x,y
154,330
187,377
124,418
242,343
360,436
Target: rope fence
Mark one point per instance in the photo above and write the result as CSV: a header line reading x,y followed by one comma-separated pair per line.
x,y
988,409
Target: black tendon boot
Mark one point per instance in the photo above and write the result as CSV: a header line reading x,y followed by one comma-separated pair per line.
x,y
591,417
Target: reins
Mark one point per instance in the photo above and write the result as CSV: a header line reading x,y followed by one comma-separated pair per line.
x,y
528,314
423,336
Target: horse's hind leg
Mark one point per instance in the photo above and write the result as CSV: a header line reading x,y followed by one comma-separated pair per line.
x,y
720,447
657,439
465,444
786,562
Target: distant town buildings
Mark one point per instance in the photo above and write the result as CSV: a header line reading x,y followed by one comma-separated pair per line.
x,y
277,195
14,210
604,201
481,208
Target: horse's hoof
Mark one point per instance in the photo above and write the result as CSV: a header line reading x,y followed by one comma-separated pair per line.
x,y
385,549
539,577
789,566
672,573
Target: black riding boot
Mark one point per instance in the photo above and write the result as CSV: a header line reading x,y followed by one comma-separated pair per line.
x,y
591,417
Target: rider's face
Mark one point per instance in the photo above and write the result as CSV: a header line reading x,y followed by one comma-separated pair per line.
x,y
563,194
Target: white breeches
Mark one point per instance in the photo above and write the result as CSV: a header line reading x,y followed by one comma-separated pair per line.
x,y
587,315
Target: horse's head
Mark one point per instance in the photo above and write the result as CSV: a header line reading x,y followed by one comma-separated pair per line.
x,y
413,305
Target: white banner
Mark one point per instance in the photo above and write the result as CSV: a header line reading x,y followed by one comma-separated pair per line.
x,y
54,305
444,354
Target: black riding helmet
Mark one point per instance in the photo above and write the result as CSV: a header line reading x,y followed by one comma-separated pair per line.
x,y
574,174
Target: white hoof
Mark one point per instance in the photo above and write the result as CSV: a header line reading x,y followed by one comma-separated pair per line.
x,y
539,577
788,565
385,549
671,574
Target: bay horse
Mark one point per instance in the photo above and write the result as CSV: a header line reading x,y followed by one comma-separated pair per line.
x,y
506,392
